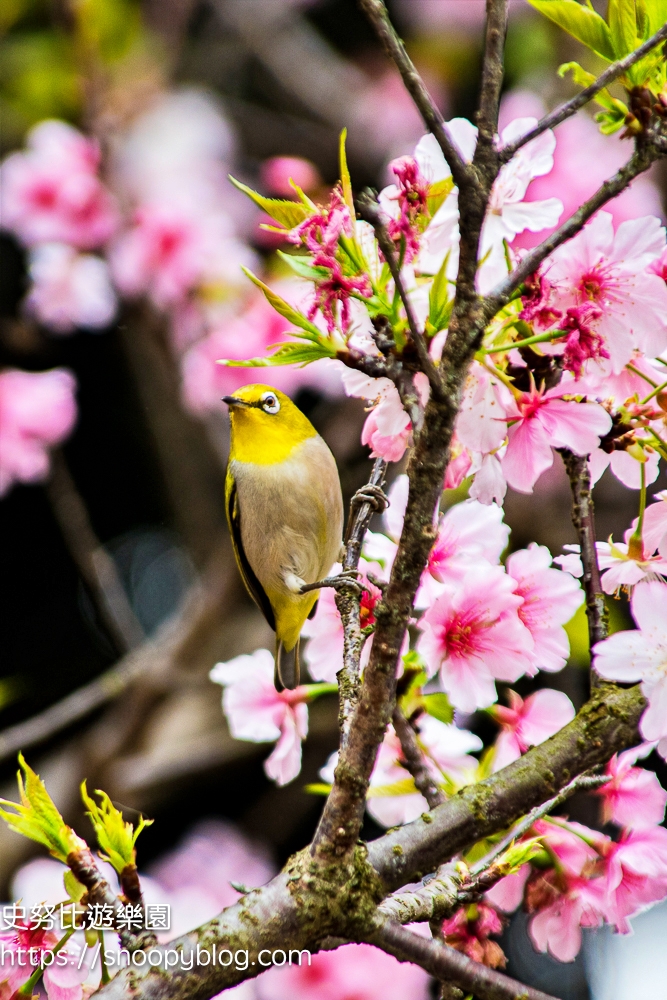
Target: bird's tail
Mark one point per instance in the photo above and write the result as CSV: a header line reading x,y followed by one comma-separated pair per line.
x,y
287,666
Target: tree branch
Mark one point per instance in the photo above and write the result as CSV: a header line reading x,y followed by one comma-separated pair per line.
x,y
415,761
606,724
378,15
570,107
449,965
94,563
370,211
638,163
348,608
492,73
583,518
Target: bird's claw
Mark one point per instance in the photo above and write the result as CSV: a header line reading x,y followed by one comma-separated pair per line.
x,y
373,495
347,580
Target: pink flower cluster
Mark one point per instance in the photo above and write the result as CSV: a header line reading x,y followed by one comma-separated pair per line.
x,y
37,412
55,203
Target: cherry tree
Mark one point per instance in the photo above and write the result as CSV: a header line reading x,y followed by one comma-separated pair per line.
x,y
477,356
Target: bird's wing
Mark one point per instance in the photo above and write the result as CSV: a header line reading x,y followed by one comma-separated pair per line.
x,y
253,585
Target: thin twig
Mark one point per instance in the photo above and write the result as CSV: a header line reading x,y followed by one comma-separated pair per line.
x,y
370,211
415,762
445,963
492,71
638,163
93,562
570,107
583,518
347,603
453,886
155,656
378,15
582,783
84,868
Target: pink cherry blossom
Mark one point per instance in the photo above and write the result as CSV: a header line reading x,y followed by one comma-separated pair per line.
x,y
324,652
633,797
610,270
550,599
507,894
388,429
641,655
354,972
37,412
163,254
509,212
541,419
625,466
51,192
64,979
621,569
655,525
583,159
473,636
528,723
392,796
556,928
469,531
277,172
69,289
196,874
468,931
636,873
256,711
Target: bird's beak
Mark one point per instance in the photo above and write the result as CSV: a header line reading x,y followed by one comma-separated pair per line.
x,y
235,401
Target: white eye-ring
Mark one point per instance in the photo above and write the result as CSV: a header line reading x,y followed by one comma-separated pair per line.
x,y
270,402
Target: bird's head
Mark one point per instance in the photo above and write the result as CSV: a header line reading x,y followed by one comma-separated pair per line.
x,y
266,425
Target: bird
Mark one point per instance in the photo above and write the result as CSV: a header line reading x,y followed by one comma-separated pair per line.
x,y
285,513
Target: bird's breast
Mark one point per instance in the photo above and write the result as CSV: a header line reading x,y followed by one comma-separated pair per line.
x,y
291,514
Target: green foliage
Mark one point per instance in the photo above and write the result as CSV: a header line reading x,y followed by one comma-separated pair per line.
x,y
519,854
37,818
613,117
439,706
38,79
108,28
287,214
310,331
345,181
580,21
116,837
438,193
73,887
299,263
439,303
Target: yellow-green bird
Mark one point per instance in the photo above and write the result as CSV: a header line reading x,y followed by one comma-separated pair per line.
x,y
285,513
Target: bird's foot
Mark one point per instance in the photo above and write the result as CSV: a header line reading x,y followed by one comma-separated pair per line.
x,y
346,580
373,495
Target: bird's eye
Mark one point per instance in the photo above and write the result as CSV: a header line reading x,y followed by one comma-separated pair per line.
x,y
269,403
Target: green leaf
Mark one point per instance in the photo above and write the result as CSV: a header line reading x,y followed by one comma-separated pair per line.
x,y
583,23
318,788
285,309
439,706
404,787
438,193
37,818
286,354
656,11
299,264
116,837
288,213
73,887
345,180
623,26
439,303
519,854
583,79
